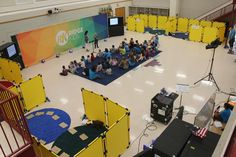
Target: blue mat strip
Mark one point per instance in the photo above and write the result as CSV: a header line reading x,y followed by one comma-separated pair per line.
x,y
116,71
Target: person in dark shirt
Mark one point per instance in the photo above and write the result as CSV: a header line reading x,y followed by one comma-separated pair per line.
x,y
95,41
86,40
64,71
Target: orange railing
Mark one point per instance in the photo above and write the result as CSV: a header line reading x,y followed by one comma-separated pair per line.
x,y
13,129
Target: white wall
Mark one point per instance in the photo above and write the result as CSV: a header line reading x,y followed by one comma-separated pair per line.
x,y
7,3
24,1
195,8
165,4
38,18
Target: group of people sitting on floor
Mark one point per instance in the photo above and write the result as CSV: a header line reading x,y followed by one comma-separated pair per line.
x,y
125,56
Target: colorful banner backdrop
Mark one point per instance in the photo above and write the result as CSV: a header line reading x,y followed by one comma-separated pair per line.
x,y
45,42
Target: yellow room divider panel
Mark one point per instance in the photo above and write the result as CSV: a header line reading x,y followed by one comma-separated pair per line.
x,y
136,16
182,25
139,26
152,21
5,68
114,112
193,22
221,29
15,72
10,70
221,33
144,17
195,33
218,24
33,92
117,137
94,106
131,24
210,34
173,24
204,23
94,149
161,22
168,27
41,150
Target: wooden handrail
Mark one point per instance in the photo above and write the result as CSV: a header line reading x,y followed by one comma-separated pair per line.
x,y
214,11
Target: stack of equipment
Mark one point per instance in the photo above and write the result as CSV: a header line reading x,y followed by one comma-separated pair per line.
x,y
162,107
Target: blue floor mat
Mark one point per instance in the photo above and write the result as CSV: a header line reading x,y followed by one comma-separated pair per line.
x,y
71,144
116,71
48,124
180,35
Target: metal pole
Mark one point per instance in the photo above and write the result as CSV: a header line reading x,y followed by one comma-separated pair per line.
x,y
181,96
212,61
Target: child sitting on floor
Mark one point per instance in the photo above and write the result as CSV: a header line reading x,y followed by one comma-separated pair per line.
x,y
147,53
88,59
141,57
124,64
64,71
122,49
132,60
93,74
100,53
86,72
131,43
82,63
76,64
106,54
71,63
136,43
113,49
114,61
92,57
82,58
106,67
72,67
99,67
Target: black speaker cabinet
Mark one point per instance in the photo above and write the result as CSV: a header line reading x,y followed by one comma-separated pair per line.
x,y
162,108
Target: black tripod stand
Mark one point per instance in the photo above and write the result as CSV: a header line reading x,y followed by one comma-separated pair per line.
x,y
210,76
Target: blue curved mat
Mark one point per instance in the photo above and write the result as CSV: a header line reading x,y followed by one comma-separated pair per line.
x,y
48,124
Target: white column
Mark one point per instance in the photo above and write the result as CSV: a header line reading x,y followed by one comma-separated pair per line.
x,y
174,7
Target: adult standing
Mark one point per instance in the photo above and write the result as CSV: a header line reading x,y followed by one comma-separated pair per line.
x,y
231,38
86,40
95,41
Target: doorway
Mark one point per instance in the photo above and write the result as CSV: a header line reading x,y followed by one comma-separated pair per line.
x,y
120,12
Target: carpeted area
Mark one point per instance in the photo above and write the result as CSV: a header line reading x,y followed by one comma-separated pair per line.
x,y
74,140
116,71
47,124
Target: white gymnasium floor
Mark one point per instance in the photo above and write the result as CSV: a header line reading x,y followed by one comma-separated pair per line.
x,y
181,62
